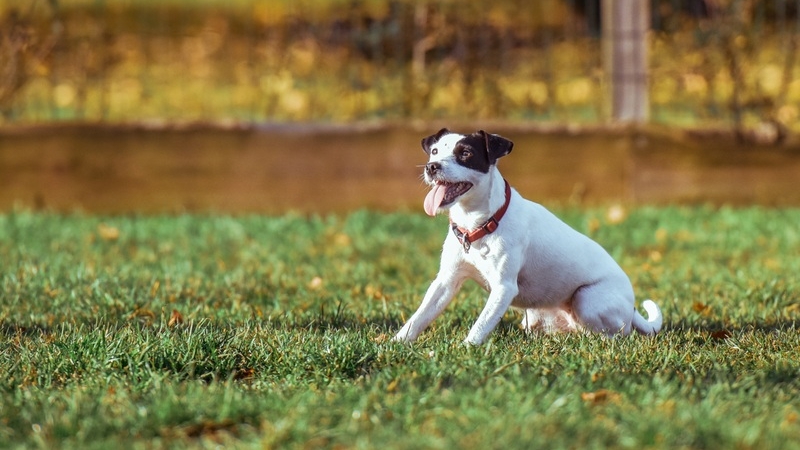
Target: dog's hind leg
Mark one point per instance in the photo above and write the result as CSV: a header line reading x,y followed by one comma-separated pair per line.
x,y
604,309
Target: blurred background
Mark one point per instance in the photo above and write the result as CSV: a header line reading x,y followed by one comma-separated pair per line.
x,y
190,82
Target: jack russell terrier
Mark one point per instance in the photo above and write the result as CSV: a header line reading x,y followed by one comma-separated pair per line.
x,y
519,251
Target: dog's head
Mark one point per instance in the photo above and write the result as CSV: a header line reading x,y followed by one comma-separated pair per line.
x,y
457,162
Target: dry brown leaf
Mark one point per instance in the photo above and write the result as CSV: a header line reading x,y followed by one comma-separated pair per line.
x,y
792,309
176,318
655,256
661,235
154,288
142,314
616,214
315,283
108,232
342,240
701,308
244,374
720,334
600,396
372,292
209,428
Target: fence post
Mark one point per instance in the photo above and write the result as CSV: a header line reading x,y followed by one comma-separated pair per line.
x,y
625,24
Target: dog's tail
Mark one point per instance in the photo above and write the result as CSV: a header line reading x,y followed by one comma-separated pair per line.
x,y
652,324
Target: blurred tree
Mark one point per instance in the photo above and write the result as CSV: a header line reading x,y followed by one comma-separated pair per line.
x,y
23,51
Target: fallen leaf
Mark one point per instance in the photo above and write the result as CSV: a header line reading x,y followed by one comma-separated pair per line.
x,y
209,428
342,240
143,314
792,309
701,308
667,407
720,334
615,214
661,235
601,396
154,288
244,374
373,292
315,283
107,232
175,319
655,256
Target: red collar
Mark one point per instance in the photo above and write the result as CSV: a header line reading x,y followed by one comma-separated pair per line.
x,y
466,237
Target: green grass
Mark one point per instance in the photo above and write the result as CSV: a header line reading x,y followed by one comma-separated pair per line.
x,y
283,341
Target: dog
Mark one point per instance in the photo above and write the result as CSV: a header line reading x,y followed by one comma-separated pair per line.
x,y
526,257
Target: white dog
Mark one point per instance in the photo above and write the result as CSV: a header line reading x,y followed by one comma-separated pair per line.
x,y
524,255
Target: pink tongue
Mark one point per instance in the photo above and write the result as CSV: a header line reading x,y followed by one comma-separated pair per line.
x,y
434,199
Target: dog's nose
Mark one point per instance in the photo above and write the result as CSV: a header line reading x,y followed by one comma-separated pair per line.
x,y
432,168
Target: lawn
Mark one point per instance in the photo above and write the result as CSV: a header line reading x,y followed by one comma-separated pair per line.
x,y
200,331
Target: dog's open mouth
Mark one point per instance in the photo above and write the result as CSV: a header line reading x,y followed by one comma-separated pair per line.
x,y
443,194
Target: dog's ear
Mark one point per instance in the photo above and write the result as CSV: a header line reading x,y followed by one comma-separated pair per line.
x,y
432,139
496,146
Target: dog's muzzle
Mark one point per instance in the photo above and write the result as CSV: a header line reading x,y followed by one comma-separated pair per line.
x,y
432,169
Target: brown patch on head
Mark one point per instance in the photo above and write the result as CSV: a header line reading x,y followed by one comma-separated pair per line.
x,y
481,150
496,146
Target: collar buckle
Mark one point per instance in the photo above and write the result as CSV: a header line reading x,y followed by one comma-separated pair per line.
x,y
463,238
466,237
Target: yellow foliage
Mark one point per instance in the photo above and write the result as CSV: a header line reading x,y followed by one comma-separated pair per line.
x,y
695,84
723,85
770,78
663,90
524,92
64,95
793,92
575,92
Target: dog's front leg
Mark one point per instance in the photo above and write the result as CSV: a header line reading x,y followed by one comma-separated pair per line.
x,y
438,296
498,303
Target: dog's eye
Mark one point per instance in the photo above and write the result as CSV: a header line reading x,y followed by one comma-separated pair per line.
x,y
435,151
464,154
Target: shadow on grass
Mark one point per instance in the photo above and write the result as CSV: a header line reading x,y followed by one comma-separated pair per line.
x,y
333,322
720,329
347,321
10,330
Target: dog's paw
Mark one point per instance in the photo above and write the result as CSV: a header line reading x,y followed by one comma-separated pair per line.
x,y
401,338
